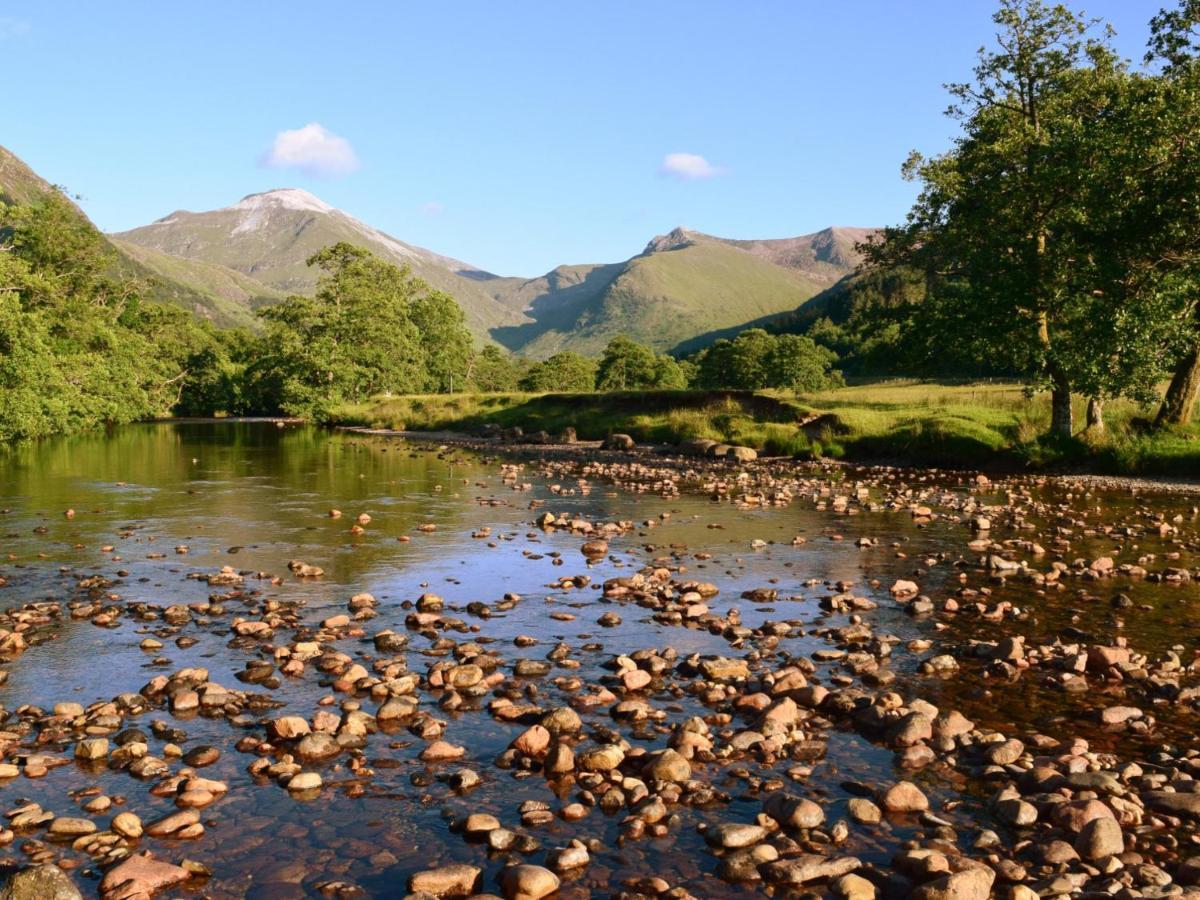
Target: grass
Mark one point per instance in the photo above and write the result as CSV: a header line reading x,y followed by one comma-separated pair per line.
x,y
989,425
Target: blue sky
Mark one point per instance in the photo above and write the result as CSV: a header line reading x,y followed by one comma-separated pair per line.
x,y
516,136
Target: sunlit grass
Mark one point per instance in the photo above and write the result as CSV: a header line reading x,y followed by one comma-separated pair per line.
x,y
902,421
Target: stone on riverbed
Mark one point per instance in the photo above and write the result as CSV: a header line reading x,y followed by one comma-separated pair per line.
x,y
904,797
732,835
304,781
525,882
808,867
794,812
446,881
1173,803
1100,838
91,749
668,765
974,883
138,877
47,882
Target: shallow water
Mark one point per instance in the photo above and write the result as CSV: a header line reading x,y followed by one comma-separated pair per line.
x,y
254,496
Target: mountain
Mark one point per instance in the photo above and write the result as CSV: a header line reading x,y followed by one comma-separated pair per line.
x,y
684,286
268,236
19,184
229,298
684,290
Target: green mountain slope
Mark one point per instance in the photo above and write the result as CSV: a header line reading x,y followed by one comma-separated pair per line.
x,y
681,293
684,285
19,184
229,297
223,296
269,236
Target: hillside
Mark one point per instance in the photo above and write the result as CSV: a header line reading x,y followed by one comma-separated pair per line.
x,y
19,184
229,297
269,236
213,292
684,285
684,290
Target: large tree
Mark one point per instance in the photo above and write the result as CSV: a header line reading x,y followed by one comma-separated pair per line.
x,y
371,327
627,365
1174,224
995,225
564,372
756,359
77,347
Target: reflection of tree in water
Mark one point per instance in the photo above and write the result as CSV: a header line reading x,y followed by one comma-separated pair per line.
x,y
262,490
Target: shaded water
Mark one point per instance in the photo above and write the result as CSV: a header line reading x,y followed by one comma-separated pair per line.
x,y
254,496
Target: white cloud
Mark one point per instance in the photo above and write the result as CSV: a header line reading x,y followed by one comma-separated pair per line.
x,y
13,28
689,167
313,150
432,208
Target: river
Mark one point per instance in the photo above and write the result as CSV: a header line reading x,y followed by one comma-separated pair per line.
x,y
107,531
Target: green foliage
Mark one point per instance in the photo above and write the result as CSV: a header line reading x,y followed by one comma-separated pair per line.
x,y
78,349
1050,236
755,360
444,338
900,421
627,365
370,328
493,371
564,372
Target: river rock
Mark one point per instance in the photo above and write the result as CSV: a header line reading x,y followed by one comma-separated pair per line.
x,y
863,810
809,867
854,887
732,835
67,826
480,823
668,765
526,882
1100,838
1173,803
127,825
91,749
904,797
47,882
794,812
1004,753
304,781
974,883
139,876
446,881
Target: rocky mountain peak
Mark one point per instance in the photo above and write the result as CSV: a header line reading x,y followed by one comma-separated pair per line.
x,y
673,240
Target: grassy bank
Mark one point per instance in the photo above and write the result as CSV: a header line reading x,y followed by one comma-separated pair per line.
x,y
919,423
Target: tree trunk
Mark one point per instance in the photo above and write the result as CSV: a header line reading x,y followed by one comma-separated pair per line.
x,y
1095,414
1062,422
1180,400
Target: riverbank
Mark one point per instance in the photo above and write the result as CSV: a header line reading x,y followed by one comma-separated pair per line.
x,y
990,426
665,457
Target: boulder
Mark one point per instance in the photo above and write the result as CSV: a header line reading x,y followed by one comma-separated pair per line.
x,y
47,882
